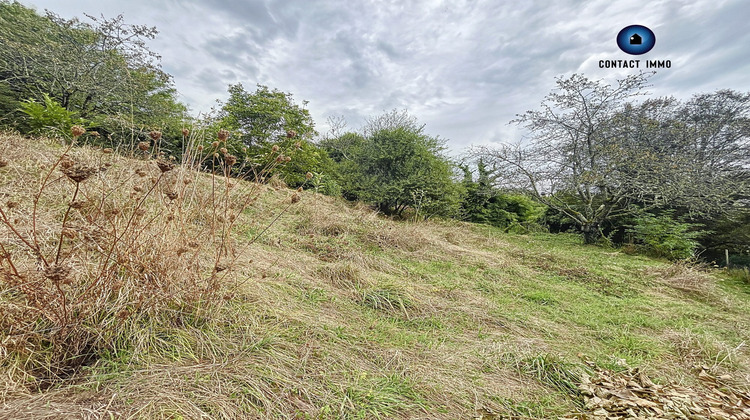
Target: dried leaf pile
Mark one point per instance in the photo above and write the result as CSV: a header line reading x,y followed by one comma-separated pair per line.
x,y
631,394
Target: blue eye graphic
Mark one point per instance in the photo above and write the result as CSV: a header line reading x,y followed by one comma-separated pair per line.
x,y
636,39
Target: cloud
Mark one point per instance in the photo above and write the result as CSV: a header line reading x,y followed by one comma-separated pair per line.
x,y
464,68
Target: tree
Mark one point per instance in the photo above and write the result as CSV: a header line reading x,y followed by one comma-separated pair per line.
x,y
265,116
571,150
594,155
100,71
98,68
395,166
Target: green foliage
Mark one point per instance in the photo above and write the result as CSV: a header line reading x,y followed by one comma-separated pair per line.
x,y
483,203
613,157
266,118
326,184
396,166
49,118
730,232
663,236
101,71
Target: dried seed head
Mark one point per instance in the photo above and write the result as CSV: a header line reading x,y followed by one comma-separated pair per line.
x,y
11,204
291,134
275,148
123,314
287,158
185,132
224,150
193,244
309,175
216,155
107,150
77,131
78,204
172,158
220,267
230,159
155,135
279,159
200,148
66,162
172,195
79,173
138,188
181,250
144,145
3,163
57,273
187,181
170,217
215,144
141,172
298,145
299,189
223,135
295,198
69,233
164,165
94,133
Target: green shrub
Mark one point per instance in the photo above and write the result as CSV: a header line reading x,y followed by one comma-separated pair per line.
x,y
49,118
665,237
325,184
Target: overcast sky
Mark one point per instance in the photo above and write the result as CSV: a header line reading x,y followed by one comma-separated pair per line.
x,y
464,68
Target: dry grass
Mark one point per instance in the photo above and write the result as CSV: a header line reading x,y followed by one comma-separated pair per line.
x,y
92,242
687,277
334,312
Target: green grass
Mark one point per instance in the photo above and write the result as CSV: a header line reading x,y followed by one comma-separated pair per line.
x,y
343,314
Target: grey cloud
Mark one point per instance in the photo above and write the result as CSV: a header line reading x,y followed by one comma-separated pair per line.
x,y
465,68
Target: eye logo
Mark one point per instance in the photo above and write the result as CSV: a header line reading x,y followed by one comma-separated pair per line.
x,y
636,39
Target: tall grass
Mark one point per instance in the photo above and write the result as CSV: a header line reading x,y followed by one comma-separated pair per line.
x,y
102,245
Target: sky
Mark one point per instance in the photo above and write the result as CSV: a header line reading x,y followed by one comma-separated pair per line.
x,y
464,68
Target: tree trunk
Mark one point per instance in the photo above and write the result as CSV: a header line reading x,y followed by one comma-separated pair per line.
x,y
591,233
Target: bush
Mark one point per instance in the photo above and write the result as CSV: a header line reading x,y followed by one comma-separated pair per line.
x,y
50,118
664,237
396,166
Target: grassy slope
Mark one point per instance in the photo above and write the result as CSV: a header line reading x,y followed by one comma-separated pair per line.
x,y
346,315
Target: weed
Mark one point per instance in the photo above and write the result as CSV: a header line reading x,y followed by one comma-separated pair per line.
x,y
130,244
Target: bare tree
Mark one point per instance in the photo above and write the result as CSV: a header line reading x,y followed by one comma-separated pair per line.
x,y
594,155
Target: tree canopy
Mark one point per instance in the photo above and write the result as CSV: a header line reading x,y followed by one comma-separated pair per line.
x,y
594,154
395,165
102,70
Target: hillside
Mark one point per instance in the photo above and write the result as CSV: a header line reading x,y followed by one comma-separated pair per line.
x,y
336,312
